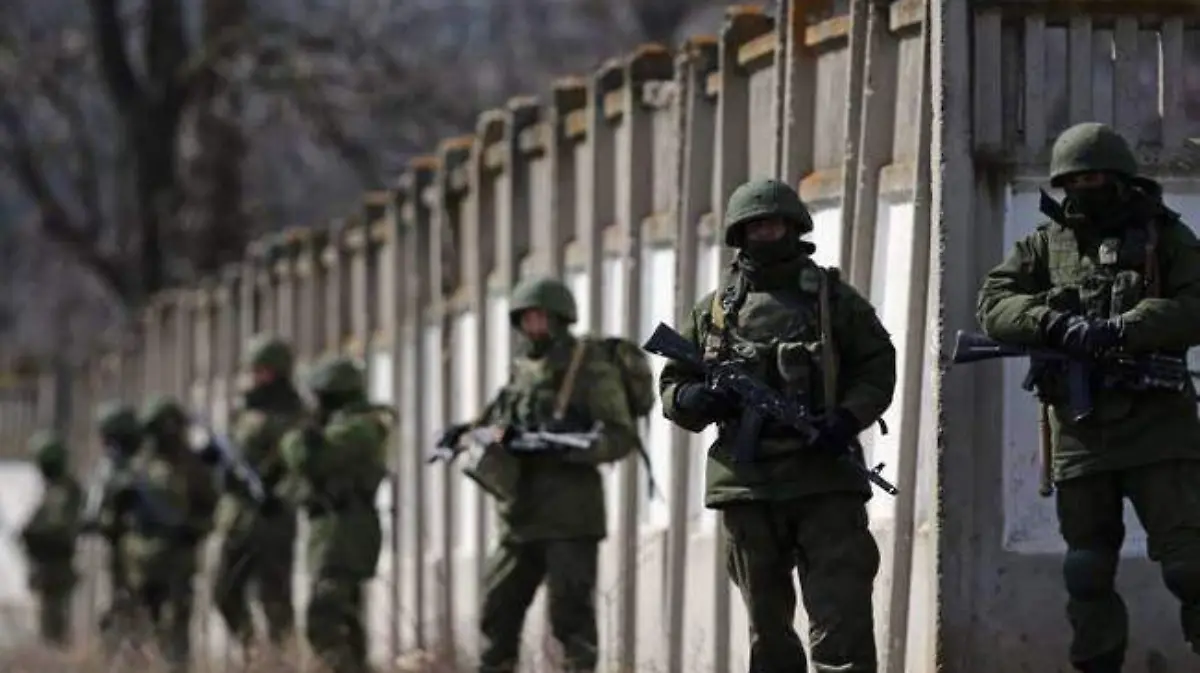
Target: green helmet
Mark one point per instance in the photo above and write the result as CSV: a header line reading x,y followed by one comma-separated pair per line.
x,y
270,352
338,375
1090,147
117,420
48,449
164,411
548,294
760,199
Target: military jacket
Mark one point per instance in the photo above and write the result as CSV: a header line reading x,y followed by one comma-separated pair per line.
x,y
777,334
560,494
258,433
113,526
50,535
335,479
168,510
1074,270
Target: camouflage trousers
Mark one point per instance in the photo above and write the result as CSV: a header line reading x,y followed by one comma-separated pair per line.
x,y
515,571
260,557
164,612
826,541
118,619
334,623
1166,498
54,617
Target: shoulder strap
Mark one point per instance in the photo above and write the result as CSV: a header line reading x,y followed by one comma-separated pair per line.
x,y
829,364
568,383
725,304
1153,281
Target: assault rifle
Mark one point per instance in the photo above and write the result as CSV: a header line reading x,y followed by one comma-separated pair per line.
x,y
1113,370
516,439
757,400
216,449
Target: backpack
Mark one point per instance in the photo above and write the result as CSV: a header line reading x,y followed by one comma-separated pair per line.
x,y
636,374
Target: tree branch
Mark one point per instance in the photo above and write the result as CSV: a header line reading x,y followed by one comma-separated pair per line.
x,y
126,92
53,217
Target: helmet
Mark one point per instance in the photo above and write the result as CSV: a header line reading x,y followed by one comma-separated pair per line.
x,y
760,199
548,294
270,352
164,412
1090,147
48,449
338,375
117,420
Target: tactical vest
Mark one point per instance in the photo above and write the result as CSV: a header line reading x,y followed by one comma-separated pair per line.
x,y
1100,283
1104,283
782,338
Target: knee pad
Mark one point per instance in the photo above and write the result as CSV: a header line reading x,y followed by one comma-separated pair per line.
x,y
1089,573
1182,577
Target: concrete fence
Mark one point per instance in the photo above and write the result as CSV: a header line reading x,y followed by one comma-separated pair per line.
x,y
915,132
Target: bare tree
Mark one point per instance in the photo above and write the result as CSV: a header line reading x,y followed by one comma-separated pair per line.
x,y
144,142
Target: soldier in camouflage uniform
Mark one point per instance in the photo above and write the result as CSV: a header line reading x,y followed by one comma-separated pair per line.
x,y
259,539
49,538
335,468
791,509
169,512
552,511
120,433
1113,270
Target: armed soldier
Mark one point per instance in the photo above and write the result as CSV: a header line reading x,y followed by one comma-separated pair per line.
x,y
551,502
50,537
259,537
171,513
1113,270
335,468
794,504
121,436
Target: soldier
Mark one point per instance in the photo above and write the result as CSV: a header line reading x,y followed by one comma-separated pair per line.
x,y
335,468
1112,271
551,503
121,436
49,538
795,507
170,514
259,538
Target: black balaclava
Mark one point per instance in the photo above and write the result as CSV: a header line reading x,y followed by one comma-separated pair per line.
x,y
1102,206
773,264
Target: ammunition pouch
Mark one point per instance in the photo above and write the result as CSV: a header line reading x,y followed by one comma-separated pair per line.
x,y
495,470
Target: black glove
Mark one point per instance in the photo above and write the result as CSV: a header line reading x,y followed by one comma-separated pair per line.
x,y
449,438
836,431
1083,337
697,399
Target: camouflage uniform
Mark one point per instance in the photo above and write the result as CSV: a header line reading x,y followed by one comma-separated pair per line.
x,y
169,511
121,435
259,540
335,468
50,536
791,509
1085,283
553,515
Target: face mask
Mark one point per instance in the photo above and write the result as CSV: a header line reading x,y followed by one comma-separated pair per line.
x,y
768,252
1100,203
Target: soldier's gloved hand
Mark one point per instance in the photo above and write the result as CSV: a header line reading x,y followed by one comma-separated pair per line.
x,y
1083,337
450,437
837,430
697,399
